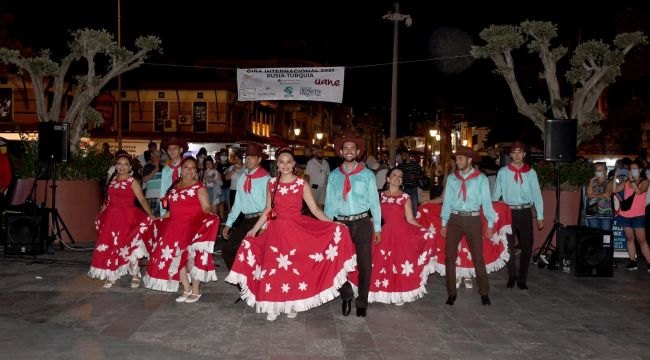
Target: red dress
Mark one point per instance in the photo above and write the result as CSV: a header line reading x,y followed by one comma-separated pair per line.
x,y
113,248
495,250
186,237
298,262
403,260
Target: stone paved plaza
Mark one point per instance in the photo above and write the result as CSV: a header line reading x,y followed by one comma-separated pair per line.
x,y
50,309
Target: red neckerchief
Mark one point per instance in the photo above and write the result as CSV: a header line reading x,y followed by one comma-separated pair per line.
x,y
463,187
347,186
248,184
174,169
524,169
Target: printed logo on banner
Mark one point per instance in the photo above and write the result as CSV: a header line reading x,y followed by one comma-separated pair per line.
x,y
288,91
307,91
246,93
267,91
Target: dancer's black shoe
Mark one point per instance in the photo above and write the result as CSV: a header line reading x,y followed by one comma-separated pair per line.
x,y
522,285
361,312
511,283
451,299
346,306
485,300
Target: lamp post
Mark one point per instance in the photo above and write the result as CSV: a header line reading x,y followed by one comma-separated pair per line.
x,y
395,17
433,133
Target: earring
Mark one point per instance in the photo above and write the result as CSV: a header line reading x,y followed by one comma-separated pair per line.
x,y
401,186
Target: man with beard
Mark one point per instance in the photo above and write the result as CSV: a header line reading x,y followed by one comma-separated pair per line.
x,y
351,199
518,185
467,190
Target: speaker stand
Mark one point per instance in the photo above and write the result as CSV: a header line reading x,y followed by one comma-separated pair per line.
x,y
546,254
58,225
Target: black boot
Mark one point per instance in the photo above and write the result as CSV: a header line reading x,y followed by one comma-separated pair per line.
x,y
361,312
485,300
522,285
451,299
346,306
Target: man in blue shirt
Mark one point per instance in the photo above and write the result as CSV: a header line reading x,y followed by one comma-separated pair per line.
x,y
250,199
518,185
175,148
351,198
467,190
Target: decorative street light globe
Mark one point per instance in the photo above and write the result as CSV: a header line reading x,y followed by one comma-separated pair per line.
x,y
433,133
319,136
296,131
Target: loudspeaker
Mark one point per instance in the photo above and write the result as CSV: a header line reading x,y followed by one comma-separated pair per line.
x,y
589,250
23,234
560,140
53,142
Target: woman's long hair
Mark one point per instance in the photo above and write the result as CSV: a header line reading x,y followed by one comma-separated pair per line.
x,y
118,155
386,184
279,152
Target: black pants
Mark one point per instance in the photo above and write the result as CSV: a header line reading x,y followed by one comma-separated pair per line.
x,y
230,246
362,234
522,226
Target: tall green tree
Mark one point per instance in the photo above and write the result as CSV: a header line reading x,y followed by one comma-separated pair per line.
x,y
94,47
594,65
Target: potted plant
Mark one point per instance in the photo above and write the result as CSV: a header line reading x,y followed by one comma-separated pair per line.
x,y
79,186
573,176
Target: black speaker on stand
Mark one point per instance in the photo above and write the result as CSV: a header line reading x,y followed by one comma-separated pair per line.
x,y
53,148
560,142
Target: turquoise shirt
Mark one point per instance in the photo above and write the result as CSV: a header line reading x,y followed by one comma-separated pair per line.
x,y
516,193
362,197
165,183
249,203
478,194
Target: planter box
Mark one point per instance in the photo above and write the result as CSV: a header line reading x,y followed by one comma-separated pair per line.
x,y
78,202
569,213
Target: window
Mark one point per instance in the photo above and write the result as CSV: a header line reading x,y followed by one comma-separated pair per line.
x,y
200,111
161,116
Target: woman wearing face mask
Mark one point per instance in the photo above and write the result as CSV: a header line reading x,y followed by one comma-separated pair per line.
x,y
633,219
599,203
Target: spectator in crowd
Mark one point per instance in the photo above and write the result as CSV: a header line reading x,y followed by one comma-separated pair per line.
x,y
632,219
151,176
222,166
412,173
146,155
599,203
234,172
212,181
318,170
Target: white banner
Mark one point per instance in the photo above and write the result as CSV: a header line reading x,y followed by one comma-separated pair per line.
x,y
311,84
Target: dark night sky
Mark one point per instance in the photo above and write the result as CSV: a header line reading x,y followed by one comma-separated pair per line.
x,y
337,33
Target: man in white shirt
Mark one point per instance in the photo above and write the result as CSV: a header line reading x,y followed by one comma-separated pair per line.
x,y
318,170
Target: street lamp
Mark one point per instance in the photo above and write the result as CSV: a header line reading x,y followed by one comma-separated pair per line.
x,y
296,131
395,17
433,133
319,136
465,142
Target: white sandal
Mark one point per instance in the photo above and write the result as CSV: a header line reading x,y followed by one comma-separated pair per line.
x,y
192,298
135,282
292,314
108,284
184,297
271,316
